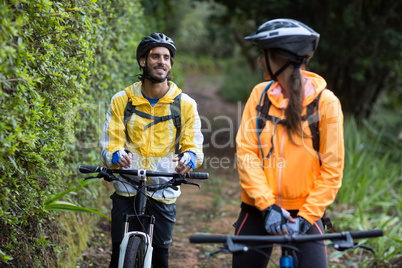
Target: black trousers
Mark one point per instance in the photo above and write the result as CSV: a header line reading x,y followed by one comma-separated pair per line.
x,y
165,218
251,222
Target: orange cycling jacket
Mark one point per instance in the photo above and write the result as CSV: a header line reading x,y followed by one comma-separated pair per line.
x,y
292,176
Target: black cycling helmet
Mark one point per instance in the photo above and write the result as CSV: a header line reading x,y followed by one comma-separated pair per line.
x,y
155,40
287,34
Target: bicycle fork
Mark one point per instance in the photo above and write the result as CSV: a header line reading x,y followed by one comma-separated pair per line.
x,y
145,237
286,261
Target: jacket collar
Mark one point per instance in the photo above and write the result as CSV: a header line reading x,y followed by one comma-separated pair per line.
x,y
134,94
313,86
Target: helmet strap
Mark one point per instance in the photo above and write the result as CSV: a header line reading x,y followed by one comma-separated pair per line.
x,y
275,76
153,80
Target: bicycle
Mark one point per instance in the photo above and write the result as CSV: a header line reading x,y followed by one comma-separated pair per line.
x,y
136,247
232,244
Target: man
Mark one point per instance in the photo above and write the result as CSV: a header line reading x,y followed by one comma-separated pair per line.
x,y
151,125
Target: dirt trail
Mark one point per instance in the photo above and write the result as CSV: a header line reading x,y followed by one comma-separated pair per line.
x,y
213,208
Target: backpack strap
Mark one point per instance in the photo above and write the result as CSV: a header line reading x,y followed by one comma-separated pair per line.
x,y
175,115
312,117
128,112
262,120
176,112
264,115
313,123
326,221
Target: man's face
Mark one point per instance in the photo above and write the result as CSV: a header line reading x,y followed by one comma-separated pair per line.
x,y
158,63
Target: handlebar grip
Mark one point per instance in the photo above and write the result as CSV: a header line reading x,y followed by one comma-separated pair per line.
x,y
199,239
199,175
89,169
367,233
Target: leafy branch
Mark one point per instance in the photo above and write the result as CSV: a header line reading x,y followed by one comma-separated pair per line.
x,y
53,203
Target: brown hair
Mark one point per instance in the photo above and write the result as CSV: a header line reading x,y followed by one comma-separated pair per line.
x,y
294,84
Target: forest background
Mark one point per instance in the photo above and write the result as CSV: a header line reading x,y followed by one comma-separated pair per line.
x,y
62,61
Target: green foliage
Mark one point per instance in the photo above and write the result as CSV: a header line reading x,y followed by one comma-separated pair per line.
x,y
369,197
5,258
53,203
195,36
59,63
239,81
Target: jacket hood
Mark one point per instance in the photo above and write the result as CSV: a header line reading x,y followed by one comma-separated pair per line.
x,y
134,94
314,87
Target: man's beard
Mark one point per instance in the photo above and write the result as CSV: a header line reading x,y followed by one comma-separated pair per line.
x,y
160,78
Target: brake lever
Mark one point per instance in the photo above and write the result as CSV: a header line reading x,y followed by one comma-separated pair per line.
x,y
181,179
223,250
366,247
232,247
92,177
345,244
176,181
193,183
106,176
354,246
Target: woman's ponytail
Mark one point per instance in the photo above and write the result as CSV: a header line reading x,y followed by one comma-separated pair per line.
x,y
294,108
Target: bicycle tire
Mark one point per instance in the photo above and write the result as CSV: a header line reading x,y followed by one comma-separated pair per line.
x,y
134,257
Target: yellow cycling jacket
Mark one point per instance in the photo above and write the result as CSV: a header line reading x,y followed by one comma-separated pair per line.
x,y
153,148
292,177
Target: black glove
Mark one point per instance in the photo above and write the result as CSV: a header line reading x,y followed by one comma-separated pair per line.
x,y
273,219
304,225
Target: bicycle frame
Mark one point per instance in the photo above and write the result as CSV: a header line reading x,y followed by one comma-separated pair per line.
x,y
143,247
146,237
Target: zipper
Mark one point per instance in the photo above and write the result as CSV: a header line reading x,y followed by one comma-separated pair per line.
x,y
280,168
152,112
281,158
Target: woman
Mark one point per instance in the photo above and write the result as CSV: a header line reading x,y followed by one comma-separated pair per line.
x,y
280,168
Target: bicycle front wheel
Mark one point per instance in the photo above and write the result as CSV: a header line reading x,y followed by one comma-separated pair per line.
x,y
134,253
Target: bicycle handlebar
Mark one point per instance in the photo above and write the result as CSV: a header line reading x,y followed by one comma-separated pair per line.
x,y
135,172
282,239
89,169
367,233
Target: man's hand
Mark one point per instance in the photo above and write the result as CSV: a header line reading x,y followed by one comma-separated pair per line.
x,y
182,165
122,158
